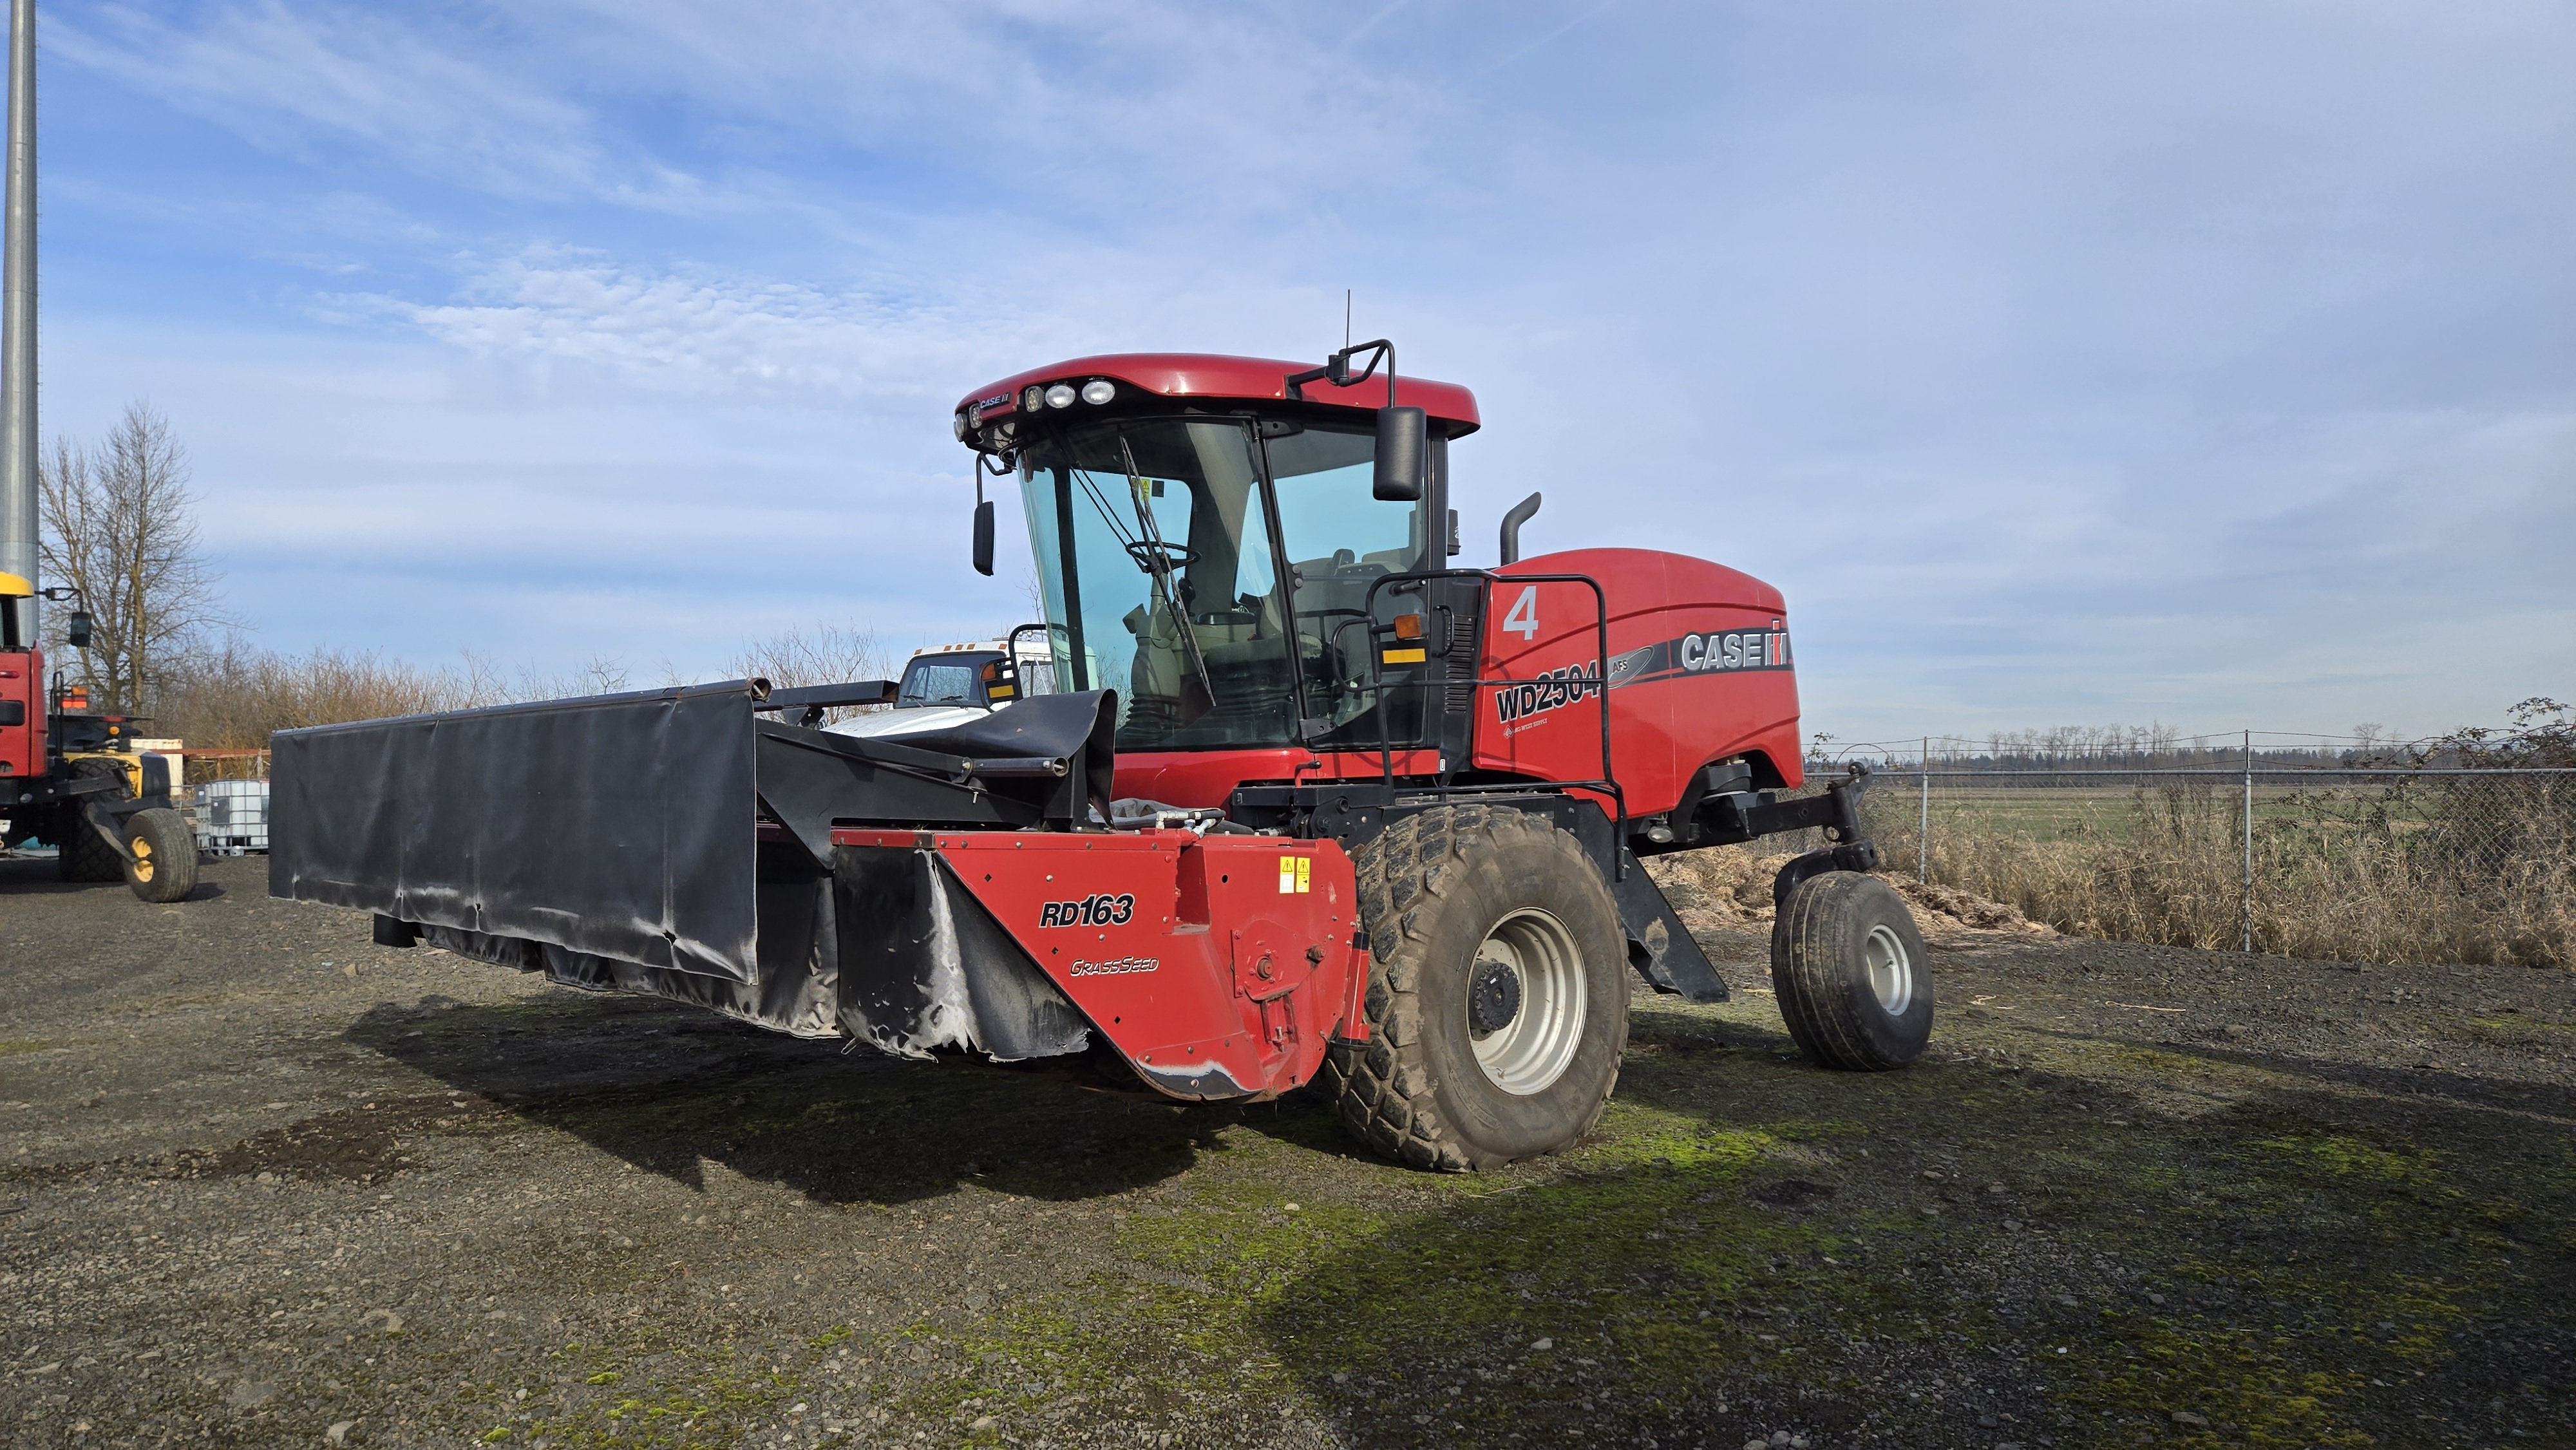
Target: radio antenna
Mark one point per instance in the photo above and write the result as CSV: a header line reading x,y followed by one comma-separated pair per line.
x,y
1346,318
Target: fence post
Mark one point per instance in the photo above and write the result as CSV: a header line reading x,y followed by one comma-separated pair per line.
x,y
2247,944
1923,850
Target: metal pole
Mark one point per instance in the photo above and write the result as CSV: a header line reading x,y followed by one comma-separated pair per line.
x,y
18,536
1923,853
2247,942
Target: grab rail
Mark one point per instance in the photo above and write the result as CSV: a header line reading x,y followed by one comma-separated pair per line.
x,y
1599,682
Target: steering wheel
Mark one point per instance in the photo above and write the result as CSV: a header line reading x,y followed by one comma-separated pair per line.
x,y
1173,556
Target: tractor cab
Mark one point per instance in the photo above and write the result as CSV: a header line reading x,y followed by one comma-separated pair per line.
x,y
1207,531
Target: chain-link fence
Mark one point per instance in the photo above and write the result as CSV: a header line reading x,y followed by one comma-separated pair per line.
x,y
2344,863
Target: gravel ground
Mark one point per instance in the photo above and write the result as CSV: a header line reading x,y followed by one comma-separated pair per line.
x,y
267,1184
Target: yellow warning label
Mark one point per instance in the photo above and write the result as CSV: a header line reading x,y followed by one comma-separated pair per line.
x,y
1296,874
1305,873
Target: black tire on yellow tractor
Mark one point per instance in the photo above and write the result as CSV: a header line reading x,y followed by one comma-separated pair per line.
x,y
1497,996
165,855
83,855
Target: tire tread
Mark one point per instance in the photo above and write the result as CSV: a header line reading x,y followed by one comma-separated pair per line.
x,y
1809,964
1383,1099
82,856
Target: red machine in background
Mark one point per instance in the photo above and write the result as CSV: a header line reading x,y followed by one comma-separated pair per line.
x,y
71,777
1310,806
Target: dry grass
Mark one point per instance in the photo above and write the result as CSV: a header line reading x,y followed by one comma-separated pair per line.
x,y
2492,880
233,697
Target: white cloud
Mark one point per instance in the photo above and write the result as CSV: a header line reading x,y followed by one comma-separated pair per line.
x,y
290,78
696,333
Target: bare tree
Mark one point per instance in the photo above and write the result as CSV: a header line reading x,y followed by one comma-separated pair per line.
x,y
598,675
828,654
230,694
120,527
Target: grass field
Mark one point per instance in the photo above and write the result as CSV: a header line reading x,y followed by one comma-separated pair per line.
x,y
2054,813
2424,869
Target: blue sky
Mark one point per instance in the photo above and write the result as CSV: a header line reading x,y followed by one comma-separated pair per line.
x,y
2210,363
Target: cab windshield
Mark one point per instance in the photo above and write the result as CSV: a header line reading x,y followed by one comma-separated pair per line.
x,y
938,682
1159,557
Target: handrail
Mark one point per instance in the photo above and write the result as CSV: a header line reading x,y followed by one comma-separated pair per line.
x,y
1608,784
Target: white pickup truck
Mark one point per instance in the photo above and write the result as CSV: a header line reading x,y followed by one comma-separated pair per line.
x,y
948,685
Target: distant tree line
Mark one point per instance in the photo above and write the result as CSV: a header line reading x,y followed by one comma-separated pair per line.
x,y
2542,733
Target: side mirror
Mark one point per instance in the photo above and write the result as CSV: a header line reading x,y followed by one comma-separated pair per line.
x,y
76,629
1403,454
984,538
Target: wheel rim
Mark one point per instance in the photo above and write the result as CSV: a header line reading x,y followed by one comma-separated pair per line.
x,y
1528,1053
1891,970
142,858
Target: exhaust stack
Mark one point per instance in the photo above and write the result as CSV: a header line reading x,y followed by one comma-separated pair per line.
x,y
18,319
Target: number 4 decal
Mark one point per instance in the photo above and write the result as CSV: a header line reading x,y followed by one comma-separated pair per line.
x,y
1523,620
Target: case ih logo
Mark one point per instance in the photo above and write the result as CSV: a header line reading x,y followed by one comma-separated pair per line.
x,y
1730,652
1766,649
1101,910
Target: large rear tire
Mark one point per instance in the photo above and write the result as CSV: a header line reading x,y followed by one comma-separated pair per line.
x,y
83,856
165,855
1497,1000
1853,980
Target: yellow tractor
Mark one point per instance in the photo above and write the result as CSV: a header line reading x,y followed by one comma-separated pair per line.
x,y
71,777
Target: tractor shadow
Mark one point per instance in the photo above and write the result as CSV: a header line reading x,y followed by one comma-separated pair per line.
x,y
1721,1262
669,1089
1751,1245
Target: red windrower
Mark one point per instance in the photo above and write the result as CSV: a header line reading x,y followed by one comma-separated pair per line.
x,y
1304,804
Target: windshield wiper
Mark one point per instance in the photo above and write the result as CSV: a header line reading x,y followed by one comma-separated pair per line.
x,y
1155,557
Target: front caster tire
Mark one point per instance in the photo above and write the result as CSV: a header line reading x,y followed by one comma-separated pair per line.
x,y
1853,979
165,855
1497,1001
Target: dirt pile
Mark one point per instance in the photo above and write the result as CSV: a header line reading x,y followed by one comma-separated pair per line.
x,y
1723,885
1729,886
1938,907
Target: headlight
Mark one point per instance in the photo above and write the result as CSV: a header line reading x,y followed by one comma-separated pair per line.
x,y
1029,398
1059,396
958,425
1095,392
